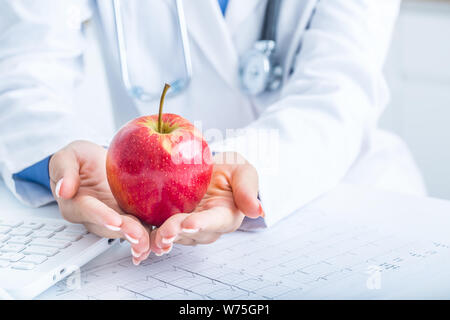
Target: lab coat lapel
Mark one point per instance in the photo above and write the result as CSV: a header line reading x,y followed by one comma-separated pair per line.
x,y
238,11
207,27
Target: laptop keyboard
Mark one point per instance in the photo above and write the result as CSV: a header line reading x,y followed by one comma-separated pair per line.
x,y
26,244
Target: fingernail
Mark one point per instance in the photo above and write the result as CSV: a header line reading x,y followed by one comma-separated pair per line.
x,y
159,254
112,228
146,255
168,250
261,211
136,262
131,239
58,188
189,230
134,253
168,240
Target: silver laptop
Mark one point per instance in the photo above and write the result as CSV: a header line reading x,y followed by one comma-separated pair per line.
x,y
37,252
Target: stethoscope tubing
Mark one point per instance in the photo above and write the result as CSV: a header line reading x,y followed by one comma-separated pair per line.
x,y
138,92
179,85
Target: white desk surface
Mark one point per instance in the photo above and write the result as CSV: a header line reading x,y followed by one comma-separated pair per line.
x,y
327,250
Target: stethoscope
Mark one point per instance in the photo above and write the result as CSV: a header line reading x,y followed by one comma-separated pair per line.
x,y
259,71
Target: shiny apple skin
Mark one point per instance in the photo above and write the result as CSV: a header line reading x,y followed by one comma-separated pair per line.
x,y
142,175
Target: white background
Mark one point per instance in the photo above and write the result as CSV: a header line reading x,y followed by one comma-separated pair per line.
x,y
418,73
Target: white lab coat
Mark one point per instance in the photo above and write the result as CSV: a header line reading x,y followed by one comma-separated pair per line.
x,y
326,112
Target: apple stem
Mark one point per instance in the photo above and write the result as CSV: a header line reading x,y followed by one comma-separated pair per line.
x,y
161,104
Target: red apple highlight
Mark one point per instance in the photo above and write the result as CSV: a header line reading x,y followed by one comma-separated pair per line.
x,y
158,166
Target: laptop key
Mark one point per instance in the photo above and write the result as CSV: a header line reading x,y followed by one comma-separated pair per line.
x,y
20,232
10,223
32,225
12,248
36,259
4,238
76,228
19,240
42,234
4,264
72,237
4,230
43,251
54,227
54,243
23,266
11,256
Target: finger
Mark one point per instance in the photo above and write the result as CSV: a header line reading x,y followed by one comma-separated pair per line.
x,y
201,237
102,231
64,174
154,248
91,210
217,219
143,257
136,234
206,237
186,241
244,183
169,230
137,261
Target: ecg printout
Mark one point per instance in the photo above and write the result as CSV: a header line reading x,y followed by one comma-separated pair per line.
x,y
308,255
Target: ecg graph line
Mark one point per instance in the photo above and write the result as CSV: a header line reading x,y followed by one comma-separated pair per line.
x,y
135,292
336,253
216,280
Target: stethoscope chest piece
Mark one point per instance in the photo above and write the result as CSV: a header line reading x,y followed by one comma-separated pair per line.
x,y
258,71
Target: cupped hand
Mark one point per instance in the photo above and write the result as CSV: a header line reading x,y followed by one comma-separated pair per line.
x,y
79,185
231,195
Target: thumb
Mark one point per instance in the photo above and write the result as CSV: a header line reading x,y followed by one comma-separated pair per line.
x,y
244,183
64,173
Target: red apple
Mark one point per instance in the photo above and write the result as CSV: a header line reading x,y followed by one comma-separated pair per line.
x,y
158,166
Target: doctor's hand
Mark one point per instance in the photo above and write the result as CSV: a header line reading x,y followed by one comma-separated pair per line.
x,y
79,185
231,195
